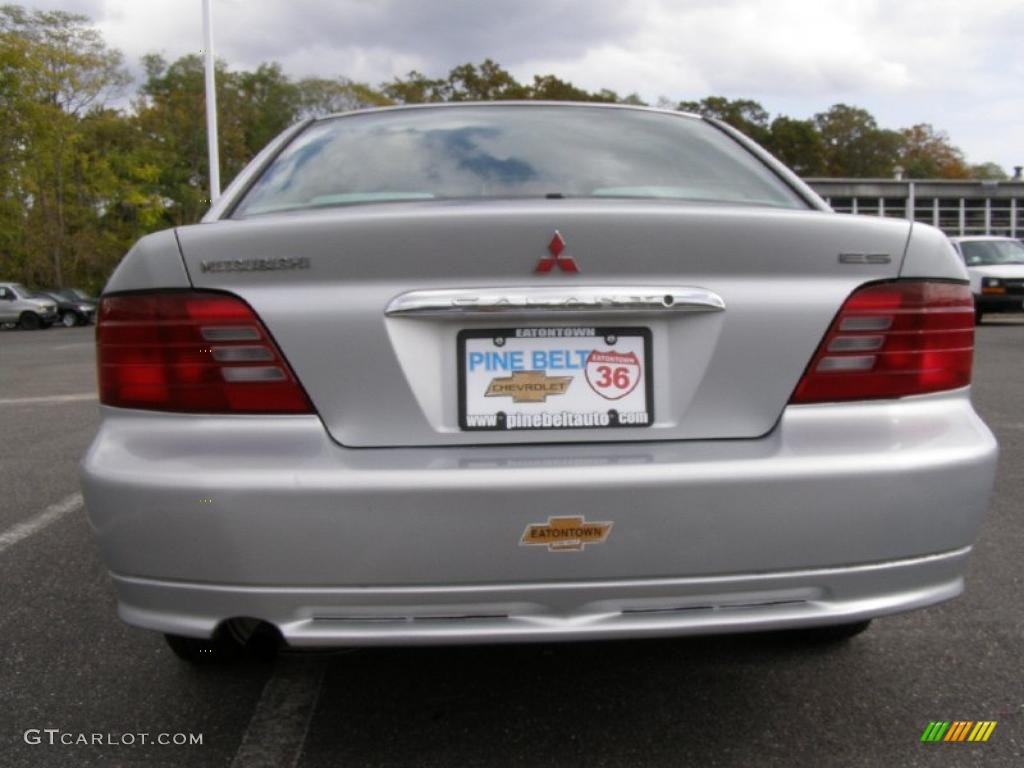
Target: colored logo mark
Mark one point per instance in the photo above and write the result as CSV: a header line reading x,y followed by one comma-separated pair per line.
x,y
555,248
566,534
528,386
958,730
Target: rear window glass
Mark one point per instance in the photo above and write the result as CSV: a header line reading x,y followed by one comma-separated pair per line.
x,y
512,152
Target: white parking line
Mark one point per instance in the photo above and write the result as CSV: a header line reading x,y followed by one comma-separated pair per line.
x,y
277,731
74,345
48,399
51,514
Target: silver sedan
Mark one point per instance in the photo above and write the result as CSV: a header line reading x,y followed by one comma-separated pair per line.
x,y
524,372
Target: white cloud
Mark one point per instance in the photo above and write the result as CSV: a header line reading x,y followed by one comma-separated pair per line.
x,y
957,65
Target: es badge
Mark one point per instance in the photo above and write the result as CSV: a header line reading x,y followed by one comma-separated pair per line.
x,y
612,375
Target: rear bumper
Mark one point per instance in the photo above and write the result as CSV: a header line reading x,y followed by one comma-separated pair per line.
x,y
843,512
999,302
534,612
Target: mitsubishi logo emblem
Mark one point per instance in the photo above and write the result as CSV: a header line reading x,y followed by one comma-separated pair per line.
x,y
555,248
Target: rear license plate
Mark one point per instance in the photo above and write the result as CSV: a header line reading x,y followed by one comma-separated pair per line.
x,y
555,378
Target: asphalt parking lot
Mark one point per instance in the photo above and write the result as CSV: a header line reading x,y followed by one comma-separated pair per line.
x,y
767,700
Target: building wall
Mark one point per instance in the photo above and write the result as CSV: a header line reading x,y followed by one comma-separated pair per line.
x,y
958,207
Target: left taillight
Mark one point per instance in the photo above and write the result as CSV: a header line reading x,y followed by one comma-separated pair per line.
x,y
191,351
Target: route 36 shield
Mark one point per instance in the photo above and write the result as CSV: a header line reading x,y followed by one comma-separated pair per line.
x,y
613,375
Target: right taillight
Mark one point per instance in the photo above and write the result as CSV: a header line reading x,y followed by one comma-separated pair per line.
x,y
906,337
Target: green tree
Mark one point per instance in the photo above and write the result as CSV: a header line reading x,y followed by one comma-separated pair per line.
x,y
169,116
14,140
252,108
551,88
926,153
745,115
72,68
488,82
854,144
320,96
988,170
269,102
117,175
415,88
630,98
65,70
798,144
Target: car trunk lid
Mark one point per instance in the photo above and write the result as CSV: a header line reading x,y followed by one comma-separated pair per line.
x,y
324,281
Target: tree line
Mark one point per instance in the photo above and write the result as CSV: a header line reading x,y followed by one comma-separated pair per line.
x,y
82,178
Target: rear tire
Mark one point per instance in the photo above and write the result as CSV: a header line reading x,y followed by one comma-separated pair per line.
x,y
29,321
978,317
836,633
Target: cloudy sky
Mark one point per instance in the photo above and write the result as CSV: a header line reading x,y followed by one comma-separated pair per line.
x,y
957,65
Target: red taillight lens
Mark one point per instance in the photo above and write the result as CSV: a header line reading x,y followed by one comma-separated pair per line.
x,y
907,337
191,351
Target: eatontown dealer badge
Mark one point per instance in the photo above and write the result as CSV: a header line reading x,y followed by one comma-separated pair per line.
x,y
565,534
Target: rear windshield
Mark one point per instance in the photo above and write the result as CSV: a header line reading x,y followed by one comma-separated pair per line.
x,y
981,253
512,152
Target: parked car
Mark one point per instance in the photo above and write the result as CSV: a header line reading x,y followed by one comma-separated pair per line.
x,y
71,306
529,372
81,295
18,307
996,269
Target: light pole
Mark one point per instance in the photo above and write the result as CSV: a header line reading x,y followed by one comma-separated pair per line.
x,y
211,104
